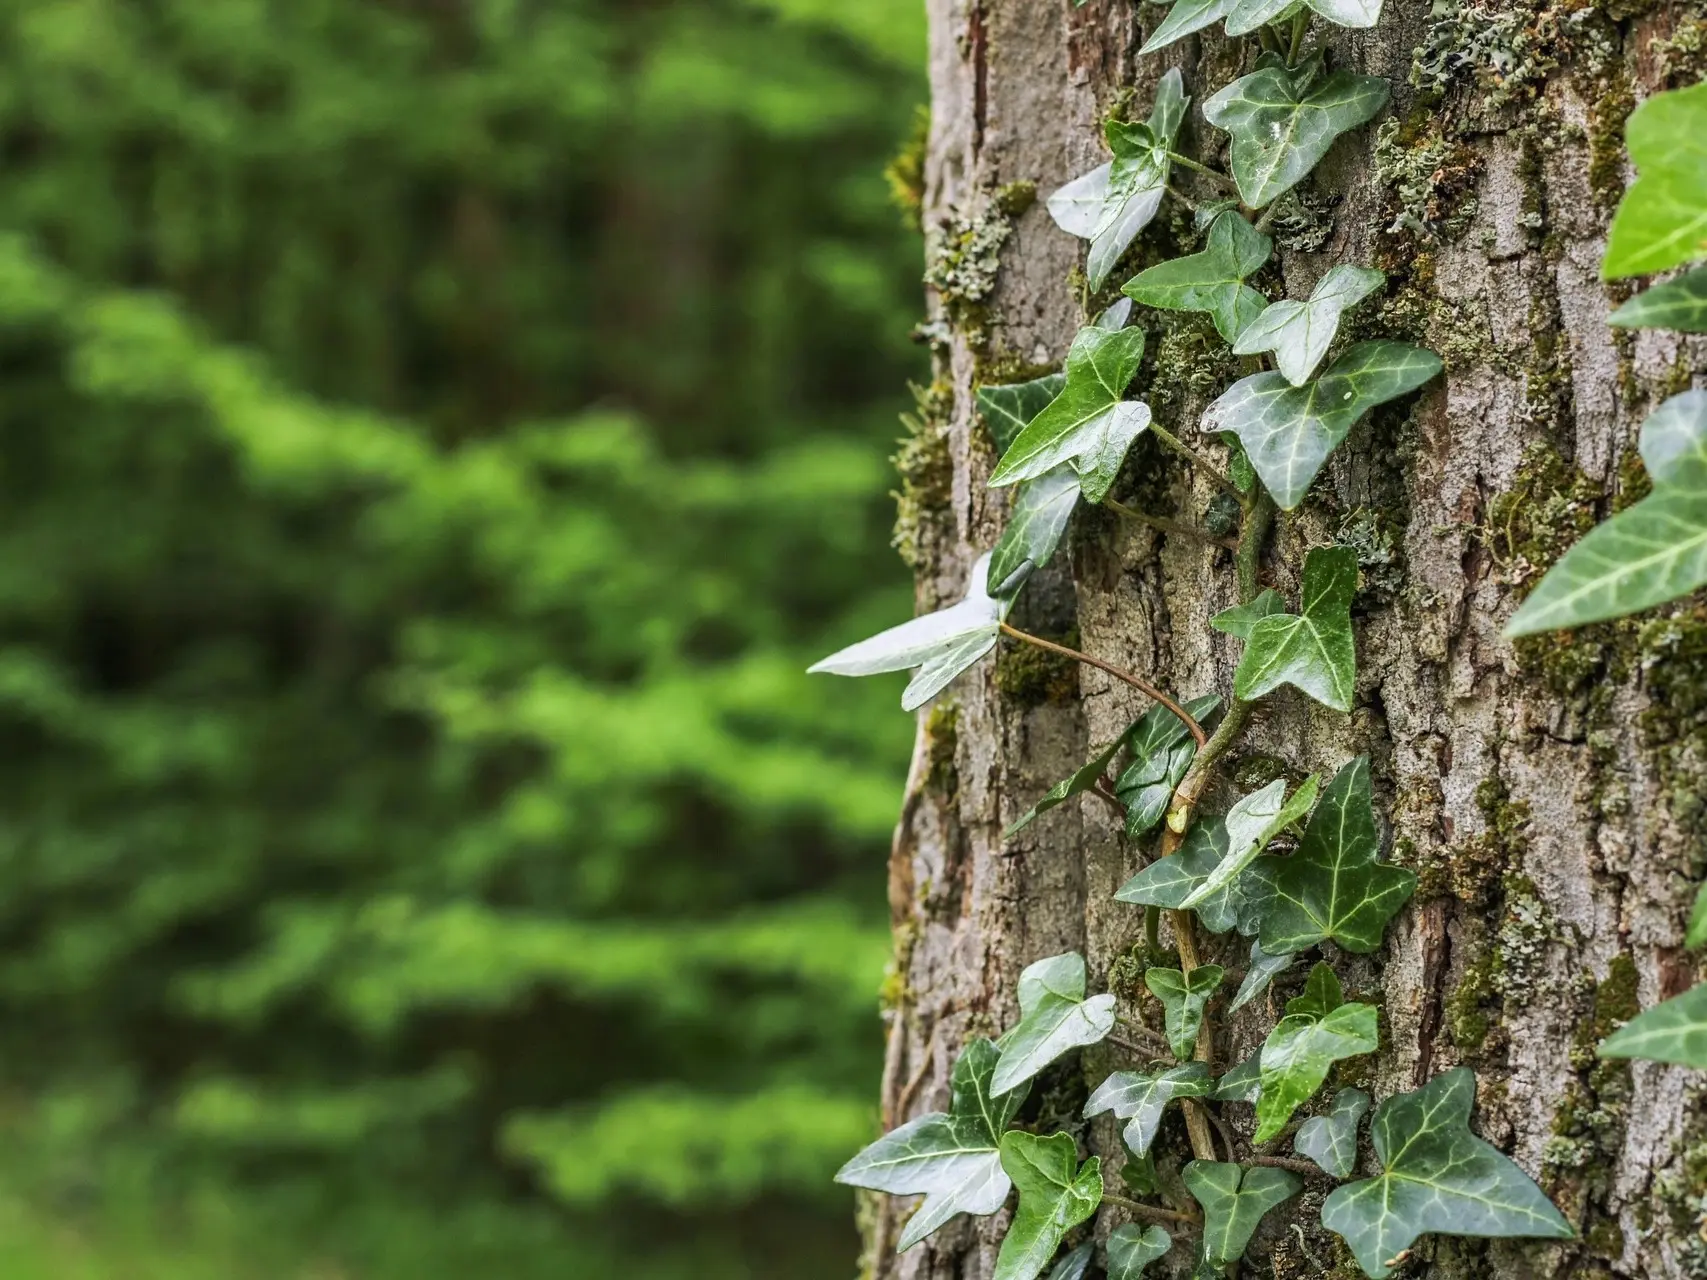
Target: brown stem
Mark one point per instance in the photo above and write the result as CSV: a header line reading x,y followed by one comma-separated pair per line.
x,y
1100,789
1286,1162
1168,526
1152,1213
1137,682
1196,459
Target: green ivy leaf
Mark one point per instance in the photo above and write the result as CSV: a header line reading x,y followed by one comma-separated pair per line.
x,y
1331,1140
1162,751
1213,280
1283,121
1088,420
1674,1031
1111,204
941,645
1168,882
1650,553
1300,333
1140,1098
1313,650
1662,221
1184,998
1299,1052
1242,1083
1075,1264
1289,431
1334,887
1697,935
1438,1177
1185,17
1322,994
1008,409
1263,970
1052,1200
1680,305
1132,1248
1036,524
1251,824
952,1160
1082,780
1234,1200
1054,1018
1240,619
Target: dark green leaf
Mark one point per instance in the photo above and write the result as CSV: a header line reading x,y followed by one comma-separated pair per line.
x,y
1264,970
1234,1200
1132,1248
952,1160
1089,418
1679,305
1185,17
1009,409
1184,999
1239,620
1075,1264
1251,823
1322,994
1301,1050
1300,333
1162,751
1041,511
1141,1097
1675,1031
1313,650
1242,1083
1331,1140
1082,780
1213,280
1334,887
1289,431
1168,882
1663,219
1054,1018
1438,1177
1053,1199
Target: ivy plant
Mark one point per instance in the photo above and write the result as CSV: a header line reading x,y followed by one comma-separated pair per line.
x,y
1235,1200
1330,1141
1056,1194
1213,280
1141,1097
1319,1029
1054,1018
1131,1249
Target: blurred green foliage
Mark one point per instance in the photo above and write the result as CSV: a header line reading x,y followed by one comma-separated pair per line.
x,y
434,437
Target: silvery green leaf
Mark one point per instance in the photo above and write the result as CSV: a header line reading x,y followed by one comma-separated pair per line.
x,y
1054,1018
1213,280
1331,1140
1075,1264
1264,969
1251,824
1289,431
1099,450
1077,207
1168,882
1184,997
1140,1098
1132,1248
1162,751
1036,524
1185,17
1674,441
1239,620
1357,14
1053,1199
1115,316
1242,1083
952,1160
1673,1031
1283,121
1437,1177
1100,366
1248,15
1300,1051
1009,409
1334,886
1234,1201
1314,649
1081,780
1662,221
1680,304
941,645
1300,333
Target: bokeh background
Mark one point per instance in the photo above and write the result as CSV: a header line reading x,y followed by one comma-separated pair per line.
x,y
435,435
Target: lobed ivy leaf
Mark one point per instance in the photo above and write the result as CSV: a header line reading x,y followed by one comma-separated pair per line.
x,y
1289,431
1251,824
1075,1264
1212,281
1185,17
1054,1018
1162,751
1036,524
1264,969
1184,997
1088,420
1009,408
1053,1199
1437,1177
1647,554
1132,1248
1168,882
1283,120
1082,780
1331,1140
1334,888
941,645
1313,649
1301,1050
1242,1083
1680,304
1662,220
1242,618
1322,993
1248,15
953,1160
1234,1200
1140,1098
1673,1031
1300,333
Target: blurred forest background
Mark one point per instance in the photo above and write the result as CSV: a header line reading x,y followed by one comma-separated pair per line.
x,y
435,435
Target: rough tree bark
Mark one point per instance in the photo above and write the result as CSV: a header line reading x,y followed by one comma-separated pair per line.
x,y
1547,793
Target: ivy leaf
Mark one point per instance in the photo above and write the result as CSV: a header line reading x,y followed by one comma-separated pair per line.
x,y
1008,409
1132,1248
1333,887
1264,969
1650,553
1184,998
1234,1200
1697,935
1663,219
1300,333
1089,418
1185,17
1082,780
1313,650
1168,882
1213,280
1162,751
1251,824
941,645
1054,1017
1322,994
1240,619
1075,1264
1439,1177
1299,1052
1674,1031
953,1160
1289,431
1242,1083
1036,524
1052,1200
1680,305
1283,121
1248,15
1140,1098
1331,1140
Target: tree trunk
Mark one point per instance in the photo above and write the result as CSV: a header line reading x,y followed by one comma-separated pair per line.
x,y
1547,793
